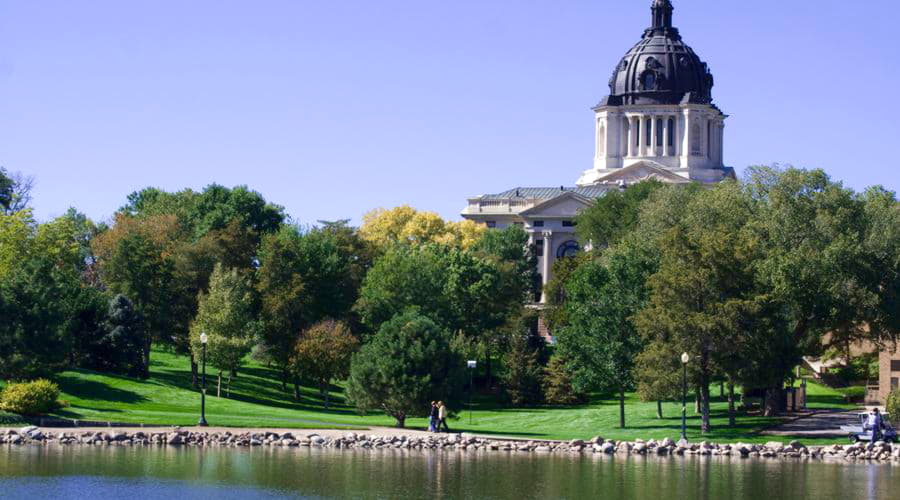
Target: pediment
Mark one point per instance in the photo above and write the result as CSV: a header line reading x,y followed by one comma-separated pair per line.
x,y
641,171
568,204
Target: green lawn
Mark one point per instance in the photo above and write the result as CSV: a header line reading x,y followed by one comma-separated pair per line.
x,y
258,401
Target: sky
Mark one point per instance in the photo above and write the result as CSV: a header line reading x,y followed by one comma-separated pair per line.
x,y
332,108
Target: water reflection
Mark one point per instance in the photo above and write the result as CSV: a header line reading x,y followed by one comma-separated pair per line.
x,y
167,471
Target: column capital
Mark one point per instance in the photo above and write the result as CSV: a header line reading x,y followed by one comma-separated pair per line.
x,y
547,234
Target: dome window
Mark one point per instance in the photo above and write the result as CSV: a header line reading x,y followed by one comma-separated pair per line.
x,y
568,249
649,81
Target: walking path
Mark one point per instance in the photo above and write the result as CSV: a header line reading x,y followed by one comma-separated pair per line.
x,y
821,424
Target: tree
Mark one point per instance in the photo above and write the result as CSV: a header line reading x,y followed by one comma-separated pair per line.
x,y
225,314
404,367
123,344
704,289
323,354
15,191
558,387
523,375
34,301
601,341
615,214
303,278
135,260
406,225
658,374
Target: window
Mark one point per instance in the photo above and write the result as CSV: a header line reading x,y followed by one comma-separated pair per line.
x,y
637,132
568,249
671,135
568,223
539,247
895,365
491,223
895,382
537,223
659,132
649,81
601,140
648,131
695,140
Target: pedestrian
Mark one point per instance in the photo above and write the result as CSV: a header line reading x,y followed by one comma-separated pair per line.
x,y
433,417
876,423
442,417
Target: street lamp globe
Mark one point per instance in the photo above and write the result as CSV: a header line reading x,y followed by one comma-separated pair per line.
x,y
685,358
203,338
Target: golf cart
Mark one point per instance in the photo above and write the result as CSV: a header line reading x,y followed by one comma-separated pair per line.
x,y
862,433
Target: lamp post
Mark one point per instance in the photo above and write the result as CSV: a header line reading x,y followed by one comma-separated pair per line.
x,y
471,364
684,361
202,422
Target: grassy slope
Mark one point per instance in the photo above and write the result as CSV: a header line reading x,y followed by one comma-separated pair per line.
x,y
257,401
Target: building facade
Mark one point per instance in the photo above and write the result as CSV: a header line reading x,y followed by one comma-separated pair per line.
x,y
658,121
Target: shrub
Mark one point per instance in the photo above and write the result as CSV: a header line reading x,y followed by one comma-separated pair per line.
x,y
30,398
892,406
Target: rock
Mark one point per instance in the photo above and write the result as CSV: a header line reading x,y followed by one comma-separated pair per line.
x,y
174,438
317,440
608,448
596,440
667,443
119,436
542,449
774,445
576,442
639,448
255,442
797,445
28,429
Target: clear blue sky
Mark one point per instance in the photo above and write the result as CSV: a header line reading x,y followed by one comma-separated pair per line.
x,y
334,107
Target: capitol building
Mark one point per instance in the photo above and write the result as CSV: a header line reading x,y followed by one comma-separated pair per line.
x,y
658,122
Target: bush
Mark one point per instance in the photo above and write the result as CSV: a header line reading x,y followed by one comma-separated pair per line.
x,y
892,406
30,398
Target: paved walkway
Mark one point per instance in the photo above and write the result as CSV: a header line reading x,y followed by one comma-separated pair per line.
x,y
821,424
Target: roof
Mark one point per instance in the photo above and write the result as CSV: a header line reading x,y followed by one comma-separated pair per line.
x,y
546,193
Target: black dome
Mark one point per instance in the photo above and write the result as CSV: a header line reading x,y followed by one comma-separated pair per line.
x,y
661,68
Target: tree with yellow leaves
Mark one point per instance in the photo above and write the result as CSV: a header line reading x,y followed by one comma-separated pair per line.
x,y
404,224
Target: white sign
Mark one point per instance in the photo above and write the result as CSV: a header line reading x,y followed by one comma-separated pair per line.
x,y
472,364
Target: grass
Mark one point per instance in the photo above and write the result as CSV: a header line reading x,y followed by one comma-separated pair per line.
x,y
166,398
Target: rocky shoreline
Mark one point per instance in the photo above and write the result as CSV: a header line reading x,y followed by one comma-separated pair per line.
x,y
879,451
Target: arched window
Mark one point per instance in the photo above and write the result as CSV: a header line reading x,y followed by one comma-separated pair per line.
x,y
695,140
625,126
671,138
568,249
637,132
649,81
649,131
659,132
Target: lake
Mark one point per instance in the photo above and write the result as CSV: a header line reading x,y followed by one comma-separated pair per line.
x,y
261,472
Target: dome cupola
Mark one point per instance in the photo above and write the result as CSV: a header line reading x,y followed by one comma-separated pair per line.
x,y
660,68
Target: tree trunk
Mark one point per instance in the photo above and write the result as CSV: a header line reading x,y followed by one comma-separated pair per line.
x,y
487,368
284,377
296,390
774,401
697,400
327,394
228,386
401,419
622,408
219,385
704,396
721,389
146,368
195,379
730,404
659,409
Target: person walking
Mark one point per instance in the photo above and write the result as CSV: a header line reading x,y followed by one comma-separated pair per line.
x,y
876,423
442,417
433,417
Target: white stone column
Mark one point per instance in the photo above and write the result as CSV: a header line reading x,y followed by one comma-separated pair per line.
x,y
653,132
546,264
665,135
686,140
632,122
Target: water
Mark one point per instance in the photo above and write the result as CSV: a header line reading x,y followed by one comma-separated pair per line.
x,y
88,472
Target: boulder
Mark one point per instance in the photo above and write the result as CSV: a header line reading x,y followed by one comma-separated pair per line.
x,y
174,439
608,448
